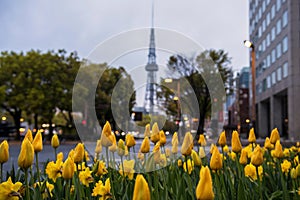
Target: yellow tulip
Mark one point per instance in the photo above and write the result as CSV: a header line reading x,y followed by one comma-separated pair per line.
x,y
251,138
201,152
156,153
250,171
268,144
145,147
226,149
187,145
26,155
235,142
188,166
113,147
155,133
204,190
216,161
98,148
202,140
38,142
222,139
147,131
298,170
175,143
212,147
277,152
106,135
162,138
196,158
4,152
101,169
79,153
274,136
257,157
141,189
54,141
60,156
163,160
243,159
28,135
68,168
129,140
121,147
293,173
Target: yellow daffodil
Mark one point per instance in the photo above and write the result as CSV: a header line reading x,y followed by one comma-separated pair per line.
x,y
257,157
196,158
54,141
243,159
155,133
101,170
145,147
202,140
53,169
26,155
163,160
85,177
60,156
216,161
147,131
79,153
268,145
49,188
106,135
286,152
235,142
121,147
204,190
188,166
187,145
232,155
250,171
162,138
102,190
274,136
277,152
251,138
141,189
28,135
226,149
4,152
68,168
37,142
129,140
9,190
222,139
128,169
202,152
285,166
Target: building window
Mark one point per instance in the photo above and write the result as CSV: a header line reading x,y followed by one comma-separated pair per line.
x,y
259,31
285,70
278,26
268,40
268,18
273,78
273,32
285,18
268,2
268,82
285,44
278,5
279,74
278,49
272,11
263,45
264,85
263,25
273,56
268,61
264,6
259,13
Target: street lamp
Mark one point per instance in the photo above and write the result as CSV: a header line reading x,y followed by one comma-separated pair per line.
x,y
250,45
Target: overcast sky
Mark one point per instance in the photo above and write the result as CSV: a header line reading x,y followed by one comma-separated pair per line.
x,y
79,26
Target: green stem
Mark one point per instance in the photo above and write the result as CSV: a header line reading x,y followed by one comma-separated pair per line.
x,y
67,189
37,166
26,185
107,158
55,153
122,166
259,183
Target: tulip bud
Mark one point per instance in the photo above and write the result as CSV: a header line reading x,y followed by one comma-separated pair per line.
x,y
60,156
201,152
222,139
244,157
175,143
187,145
251,137
113,147
68,168
26,155
204,190
121,148
141,189
162,138
106,136
38,142
145,147
274,136
216,161
79,153
156,153
278,153
196,158
4,152
129,140
147,130
268,144
257,157
202,140
54,141
98,148
28,135
155,133
293,173
235,142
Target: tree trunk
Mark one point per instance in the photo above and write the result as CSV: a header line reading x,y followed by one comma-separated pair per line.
x,y
50,129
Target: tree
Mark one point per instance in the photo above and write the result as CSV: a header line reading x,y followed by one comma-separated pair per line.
x,y
200,72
